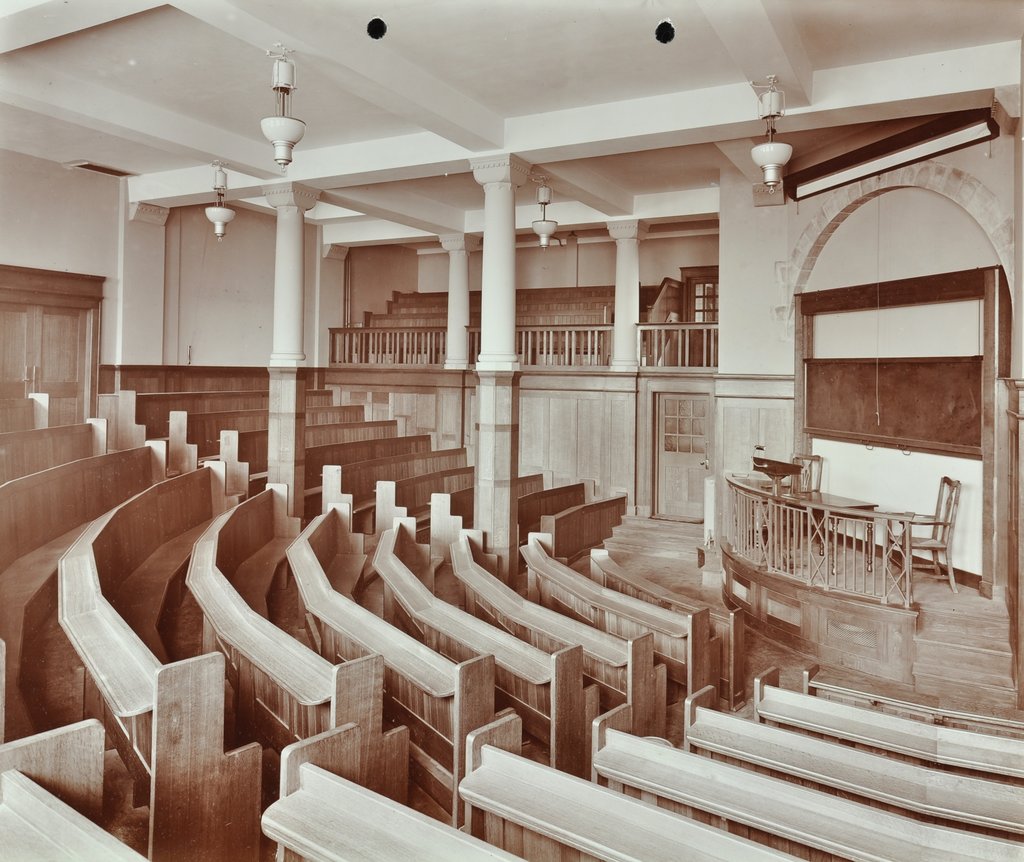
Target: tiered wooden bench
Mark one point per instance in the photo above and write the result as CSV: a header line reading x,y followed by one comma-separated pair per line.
x,y
250,447
410,498
35,532
324,815
284,690
364,445
835,684
440,701
546,689
547,501
728,627
24,452
359,478
145,548
940,797
451,513
624,671
681,641
576,530
965,751
537,812
781,815
166,721
51,794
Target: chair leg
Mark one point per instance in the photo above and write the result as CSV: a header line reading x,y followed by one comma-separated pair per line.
x,y
935,564
949,571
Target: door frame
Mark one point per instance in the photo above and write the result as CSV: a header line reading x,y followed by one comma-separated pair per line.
x,y
23,285
652,383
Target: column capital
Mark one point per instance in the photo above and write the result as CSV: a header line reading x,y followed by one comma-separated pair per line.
x,y
331,251
459,242
291,195
501,168
631,229
148,213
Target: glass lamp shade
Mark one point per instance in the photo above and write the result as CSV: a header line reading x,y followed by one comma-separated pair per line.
x,y
544,228
284,133
771,157
220,216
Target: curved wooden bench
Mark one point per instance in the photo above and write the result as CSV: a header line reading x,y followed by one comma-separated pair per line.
x,y
285,691
440,701
323,814
546,689
51,792
25,452
166,721
781,815
728,627
542,813
979,754
681,641
952,800
835,684
624,671
411,497
41,515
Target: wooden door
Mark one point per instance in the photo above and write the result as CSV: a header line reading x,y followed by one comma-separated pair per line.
x,y
682,455
49,325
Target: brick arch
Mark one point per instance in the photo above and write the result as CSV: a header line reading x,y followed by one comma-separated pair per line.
x,y
958,186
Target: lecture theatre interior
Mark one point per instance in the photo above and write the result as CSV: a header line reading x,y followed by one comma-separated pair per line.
x,y
387,386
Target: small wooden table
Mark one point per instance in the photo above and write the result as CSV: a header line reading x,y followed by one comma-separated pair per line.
x,y
817,499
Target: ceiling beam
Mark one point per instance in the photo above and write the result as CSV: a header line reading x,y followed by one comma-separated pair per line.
x,y
738,153
28,85
762,40
578,182
372,232
363,66
31,23
401,207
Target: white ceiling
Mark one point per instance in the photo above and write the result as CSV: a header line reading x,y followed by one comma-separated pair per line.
x,y
621,124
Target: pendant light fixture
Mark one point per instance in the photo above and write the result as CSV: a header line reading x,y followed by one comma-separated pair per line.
x,y
771,157
544,227
282,130
220,215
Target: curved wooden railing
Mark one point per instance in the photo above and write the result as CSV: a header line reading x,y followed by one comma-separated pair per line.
x,y
580,345
860,552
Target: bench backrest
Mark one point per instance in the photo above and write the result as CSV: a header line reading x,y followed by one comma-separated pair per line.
x,y
576,530
534,505
355,449
152,408
24,452
360,478
777,813
39,507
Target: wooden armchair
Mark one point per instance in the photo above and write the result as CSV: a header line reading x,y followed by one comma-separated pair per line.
x,y
942,524
809,478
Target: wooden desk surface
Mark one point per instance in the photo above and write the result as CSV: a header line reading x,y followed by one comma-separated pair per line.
x,y
830,501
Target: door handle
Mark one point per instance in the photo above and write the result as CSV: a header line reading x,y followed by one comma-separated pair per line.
x,y
706,464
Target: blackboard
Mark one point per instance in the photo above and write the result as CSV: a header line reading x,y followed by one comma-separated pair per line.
x,y
931,403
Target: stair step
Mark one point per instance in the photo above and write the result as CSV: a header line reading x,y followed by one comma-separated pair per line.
x,y
974,631
963,661
980,692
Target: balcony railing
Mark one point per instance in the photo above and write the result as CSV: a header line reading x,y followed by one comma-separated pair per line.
x,y
859,552
678,345
667,345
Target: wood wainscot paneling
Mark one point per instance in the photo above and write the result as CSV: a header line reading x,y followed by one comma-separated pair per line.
x,y
582,425
865,636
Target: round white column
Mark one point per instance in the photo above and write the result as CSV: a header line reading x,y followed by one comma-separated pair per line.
x,y
627,236
458,247
291,201
499,177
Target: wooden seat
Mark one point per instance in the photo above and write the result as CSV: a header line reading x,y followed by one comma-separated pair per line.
x,y
992,757
940,539
808,823
542,813
952,800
